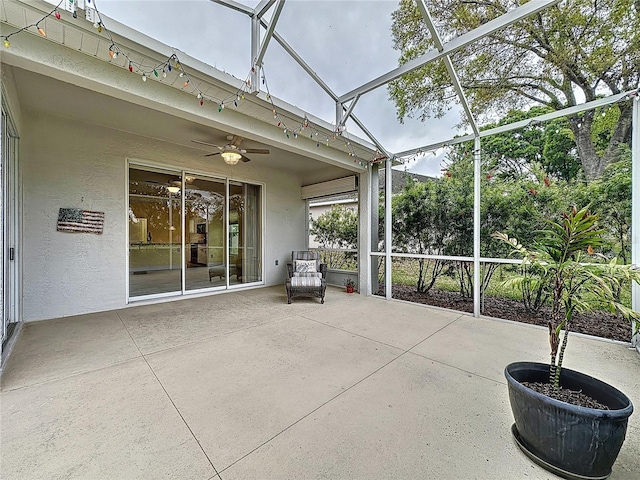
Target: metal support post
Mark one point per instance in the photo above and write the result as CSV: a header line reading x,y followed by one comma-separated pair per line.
x,y
476,226
635,207
255,49
387,228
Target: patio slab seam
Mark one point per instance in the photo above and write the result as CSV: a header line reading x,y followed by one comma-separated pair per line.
x,y
70,375
457,368
378,341
210,337
366,377
172,402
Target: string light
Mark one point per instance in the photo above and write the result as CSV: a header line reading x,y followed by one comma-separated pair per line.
x,y
237,98
5,38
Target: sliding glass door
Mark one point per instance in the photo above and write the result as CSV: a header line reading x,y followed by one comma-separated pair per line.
x,y
222,243
205,202
155,232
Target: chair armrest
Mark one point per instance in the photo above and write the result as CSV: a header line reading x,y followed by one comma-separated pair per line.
x,y
290,269
323,270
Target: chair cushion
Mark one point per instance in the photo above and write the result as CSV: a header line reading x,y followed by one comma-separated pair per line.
x,y
306,282
306,266
307,274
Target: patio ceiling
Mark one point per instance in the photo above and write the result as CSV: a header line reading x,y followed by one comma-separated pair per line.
x,y
38,93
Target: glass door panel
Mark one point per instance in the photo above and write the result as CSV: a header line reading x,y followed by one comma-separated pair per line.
x,y
155,232
205,201
245,232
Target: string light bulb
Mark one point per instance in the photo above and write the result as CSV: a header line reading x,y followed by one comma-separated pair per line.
x,y
186,83
130,67
41,31
57,14
144,77
6,43
164,73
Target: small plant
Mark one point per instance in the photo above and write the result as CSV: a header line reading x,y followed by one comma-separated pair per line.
x,y
563,260
349,282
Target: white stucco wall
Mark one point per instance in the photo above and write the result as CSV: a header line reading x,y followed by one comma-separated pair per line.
x,y
67,163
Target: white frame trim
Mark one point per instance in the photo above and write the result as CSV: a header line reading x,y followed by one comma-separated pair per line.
x,y
13,225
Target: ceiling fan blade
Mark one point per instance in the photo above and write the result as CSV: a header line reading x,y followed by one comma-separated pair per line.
x,y
207,144
212,154
245,159
264,151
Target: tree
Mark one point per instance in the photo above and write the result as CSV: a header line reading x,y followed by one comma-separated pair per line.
x,y
336,228
578,46
420,226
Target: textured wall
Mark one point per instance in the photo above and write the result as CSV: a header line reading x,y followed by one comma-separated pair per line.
x,y
71,164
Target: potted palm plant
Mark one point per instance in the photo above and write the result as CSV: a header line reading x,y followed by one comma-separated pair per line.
x,y
566,421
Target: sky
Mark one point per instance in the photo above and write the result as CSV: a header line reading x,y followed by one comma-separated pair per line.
x,y
347,43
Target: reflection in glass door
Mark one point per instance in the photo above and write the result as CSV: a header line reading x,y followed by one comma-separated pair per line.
x,y
205,201
245,232
155,232
222,232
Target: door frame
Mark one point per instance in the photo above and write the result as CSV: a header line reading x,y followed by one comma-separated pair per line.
x,y
10,253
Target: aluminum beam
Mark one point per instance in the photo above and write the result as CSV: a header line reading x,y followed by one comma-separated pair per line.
x,y
476,226
453,46
371,136
269,33
635,207
263,7
255,48
234,6
522,123
387,229
437,41
314,76
342,117
299,60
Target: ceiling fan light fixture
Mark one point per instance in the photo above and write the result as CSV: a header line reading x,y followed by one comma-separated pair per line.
x,y
230,157
173,189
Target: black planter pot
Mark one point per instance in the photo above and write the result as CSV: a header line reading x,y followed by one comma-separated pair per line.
x,y
573,442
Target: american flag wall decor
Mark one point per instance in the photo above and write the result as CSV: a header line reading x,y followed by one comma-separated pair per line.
x,y
75,220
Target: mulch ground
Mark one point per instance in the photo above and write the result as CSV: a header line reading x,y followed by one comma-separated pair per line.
x,y
599,324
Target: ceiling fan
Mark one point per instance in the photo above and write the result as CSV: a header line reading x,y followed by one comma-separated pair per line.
x,y
231,152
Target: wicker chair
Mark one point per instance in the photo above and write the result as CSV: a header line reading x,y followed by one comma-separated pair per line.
x,y
307,276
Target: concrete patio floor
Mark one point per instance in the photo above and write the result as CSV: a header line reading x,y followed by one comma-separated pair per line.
x,y
244,386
